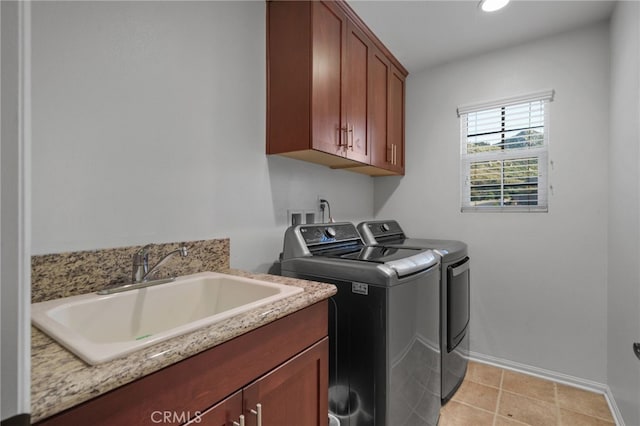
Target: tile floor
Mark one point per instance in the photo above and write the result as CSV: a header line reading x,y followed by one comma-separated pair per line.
x,y
492,396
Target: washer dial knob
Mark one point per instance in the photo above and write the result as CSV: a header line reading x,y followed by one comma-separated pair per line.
x,y
330,232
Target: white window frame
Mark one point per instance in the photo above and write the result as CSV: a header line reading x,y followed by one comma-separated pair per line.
x,y
541,153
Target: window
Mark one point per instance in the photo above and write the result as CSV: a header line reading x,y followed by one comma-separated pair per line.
x,y
504,154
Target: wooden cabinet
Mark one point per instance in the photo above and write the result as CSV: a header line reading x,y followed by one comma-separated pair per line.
x,y
379,77
386,116
294,393
223,413
322,104
355,95
326,57
291,394
395,141
283,366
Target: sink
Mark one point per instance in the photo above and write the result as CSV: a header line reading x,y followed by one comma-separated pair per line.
x,y
100,328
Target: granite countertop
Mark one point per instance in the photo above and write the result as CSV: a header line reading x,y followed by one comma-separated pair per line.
x,y
60,380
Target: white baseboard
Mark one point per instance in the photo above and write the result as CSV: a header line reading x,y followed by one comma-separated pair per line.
x,y
555,376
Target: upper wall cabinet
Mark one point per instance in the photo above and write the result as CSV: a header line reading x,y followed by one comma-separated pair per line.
x,y
335,95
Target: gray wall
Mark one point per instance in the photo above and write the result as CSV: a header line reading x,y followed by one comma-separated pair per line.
x,y
149,126
623,291
538,279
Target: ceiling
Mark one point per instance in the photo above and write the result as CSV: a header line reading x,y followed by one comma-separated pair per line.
x,y
423,34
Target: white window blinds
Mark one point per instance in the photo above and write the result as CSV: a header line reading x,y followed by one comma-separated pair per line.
x,y
504,154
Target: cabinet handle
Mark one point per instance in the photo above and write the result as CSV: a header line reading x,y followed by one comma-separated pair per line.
x,y
258,413
344,137
351,130
241,418
393,154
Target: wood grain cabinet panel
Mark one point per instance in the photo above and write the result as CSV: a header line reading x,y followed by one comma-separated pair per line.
x,y
224,413
293,394
328,29
396,120
379,75
355,94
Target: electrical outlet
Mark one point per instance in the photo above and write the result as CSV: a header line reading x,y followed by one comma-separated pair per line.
x,y
295,217
310,217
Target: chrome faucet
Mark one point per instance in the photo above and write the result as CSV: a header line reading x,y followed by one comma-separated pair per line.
x,y
141,272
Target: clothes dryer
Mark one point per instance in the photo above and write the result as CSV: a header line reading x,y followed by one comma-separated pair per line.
x,y
454,294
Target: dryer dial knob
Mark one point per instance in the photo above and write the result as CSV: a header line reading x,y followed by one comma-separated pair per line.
x,y
385,227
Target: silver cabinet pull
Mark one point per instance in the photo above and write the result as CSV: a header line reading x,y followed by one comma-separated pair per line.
x,y
352,131
241,418
341,137
258,413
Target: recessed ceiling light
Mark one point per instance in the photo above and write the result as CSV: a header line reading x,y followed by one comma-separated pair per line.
x,y
492,5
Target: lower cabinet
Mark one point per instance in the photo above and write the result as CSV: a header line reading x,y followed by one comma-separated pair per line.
x,y
224,413
275,375
292,394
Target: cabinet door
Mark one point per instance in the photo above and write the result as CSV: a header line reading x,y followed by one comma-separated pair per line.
x,y
379,77
396,120
294,393
328,25
224,413
355,94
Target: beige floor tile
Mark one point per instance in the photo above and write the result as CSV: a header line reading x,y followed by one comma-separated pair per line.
x,y
527,410
570,418
523,400
582,401
477,395
458,414
507,421
530,386
484,374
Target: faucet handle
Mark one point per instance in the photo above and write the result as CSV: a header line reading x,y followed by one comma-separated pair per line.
x,y
141,257
140,264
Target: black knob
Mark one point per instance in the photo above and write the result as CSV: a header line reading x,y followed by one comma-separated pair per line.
x,y
330,232
385,227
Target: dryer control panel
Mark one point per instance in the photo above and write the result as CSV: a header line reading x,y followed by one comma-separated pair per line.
x,y
380,231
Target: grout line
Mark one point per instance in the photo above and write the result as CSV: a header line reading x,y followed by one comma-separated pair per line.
x,y
609,420
555,398
495,415
472,406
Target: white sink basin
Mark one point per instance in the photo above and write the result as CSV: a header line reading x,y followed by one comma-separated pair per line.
x,y
101,328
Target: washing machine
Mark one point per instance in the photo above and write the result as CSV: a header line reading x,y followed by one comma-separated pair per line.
x,y
384,363
454,294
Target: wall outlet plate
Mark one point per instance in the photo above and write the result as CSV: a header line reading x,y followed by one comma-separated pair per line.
x,y
295,217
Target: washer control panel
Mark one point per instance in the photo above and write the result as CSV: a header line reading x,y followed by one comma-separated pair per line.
x,y
328,233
